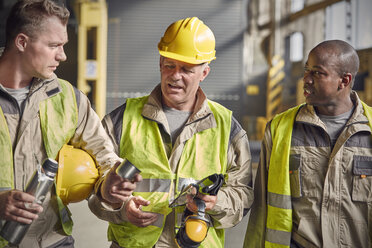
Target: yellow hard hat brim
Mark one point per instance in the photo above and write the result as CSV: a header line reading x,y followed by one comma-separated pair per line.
x,y
185,59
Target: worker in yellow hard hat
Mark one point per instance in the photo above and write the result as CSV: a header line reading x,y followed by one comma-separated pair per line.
x,y
176,136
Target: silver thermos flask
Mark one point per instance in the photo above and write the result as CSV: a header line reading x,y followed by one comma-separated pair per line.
x,y
38,186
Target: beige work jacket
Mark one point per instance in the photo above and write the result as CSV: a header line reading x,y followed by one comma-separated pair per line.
x,y
28,150
332,191
234,199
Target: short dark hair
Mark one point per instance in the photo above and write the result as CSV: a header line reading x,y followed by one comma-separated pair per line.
x,y
347,58
27,16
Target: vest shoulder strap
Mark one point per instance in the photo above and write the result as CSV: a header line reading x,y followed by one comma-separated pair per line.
x,y
368,113
58,118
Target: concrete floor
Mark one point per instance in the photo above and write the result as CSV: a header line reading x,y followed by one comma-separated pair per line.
x,y
90,232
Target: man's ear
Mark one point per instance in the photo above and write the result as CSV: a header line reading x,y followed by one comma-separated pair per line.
x,y
21,41
345,81
206,71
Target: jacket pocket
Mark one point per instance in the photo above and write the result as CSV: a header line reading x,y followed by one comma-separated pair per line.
x,y
362,179
295,175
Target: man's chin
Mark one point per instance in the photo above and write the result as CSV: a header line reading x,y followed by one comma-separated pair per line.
x,y
309,100
45,76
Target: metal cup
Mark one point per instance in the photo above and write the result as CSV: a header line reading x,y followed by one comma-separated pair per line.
x,y
127,170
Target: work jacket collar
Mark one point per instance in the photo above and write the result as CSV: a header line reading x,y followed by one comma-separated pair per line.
x,y
153,109
48,87
308,115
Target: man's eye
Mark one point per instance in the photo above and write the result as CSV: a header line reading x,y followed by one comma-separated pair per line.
x,y
316,73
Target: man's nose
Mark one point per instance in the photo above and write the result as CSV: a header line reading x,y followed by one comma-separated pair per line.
x,y
61,55
307,77
176,74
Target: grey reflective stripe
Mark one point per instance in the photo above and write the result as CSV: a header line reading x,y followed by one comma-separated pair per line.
x,y
5,188
64,215
183,182
279,201
154,185
159,221
278,237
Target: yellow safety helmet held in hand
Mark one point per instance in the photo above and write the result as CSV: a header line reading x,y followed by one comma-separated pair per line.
x,y
77,174
188,40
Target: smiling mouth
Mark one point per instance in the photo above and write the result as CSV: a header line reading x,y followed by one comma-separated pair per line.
x,y
307,92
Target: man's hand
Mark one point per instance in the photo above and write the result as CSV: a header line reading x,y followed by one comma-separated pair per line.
x,y
136,216
210,201
18,206
115,189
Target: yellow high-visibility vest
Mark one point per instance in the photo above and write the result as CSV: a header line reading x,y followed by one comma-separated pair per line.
x,y
279,204
58,119
205,153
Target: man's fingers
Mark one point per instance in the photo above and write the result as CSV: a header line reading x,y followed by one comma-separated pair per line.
x,y
140,201
137,178
126,186
21,213
142,219
19,206
147,221
23,216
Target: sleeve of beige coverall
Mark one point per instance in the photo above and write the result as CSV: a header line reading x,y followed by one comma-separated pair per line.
x,y
235,197
255,234
91,136
100,209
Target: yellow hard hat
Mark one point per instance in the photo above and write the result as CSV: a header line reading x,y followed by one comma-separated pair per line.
x,y
188,40
77,174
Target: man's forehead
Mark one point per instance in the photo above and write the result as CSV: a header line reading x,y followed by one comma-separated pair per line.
x,y
322,58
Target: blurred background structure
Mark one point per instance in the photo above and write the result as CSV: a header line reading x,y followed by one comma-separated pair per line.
x,y
261,48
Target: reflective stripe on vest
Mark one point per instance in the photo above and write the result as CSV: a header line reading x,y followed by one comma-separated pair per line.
x,y
279,209
142,144
58,120
154,185
279,205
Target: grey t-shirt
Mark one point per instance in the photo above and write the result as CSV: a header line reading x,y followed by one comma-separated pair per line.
x,y
335,124
20,95
176,121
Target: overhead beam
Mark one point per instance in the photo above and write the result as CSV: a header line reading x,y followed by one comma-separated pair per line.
x,y
304,12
